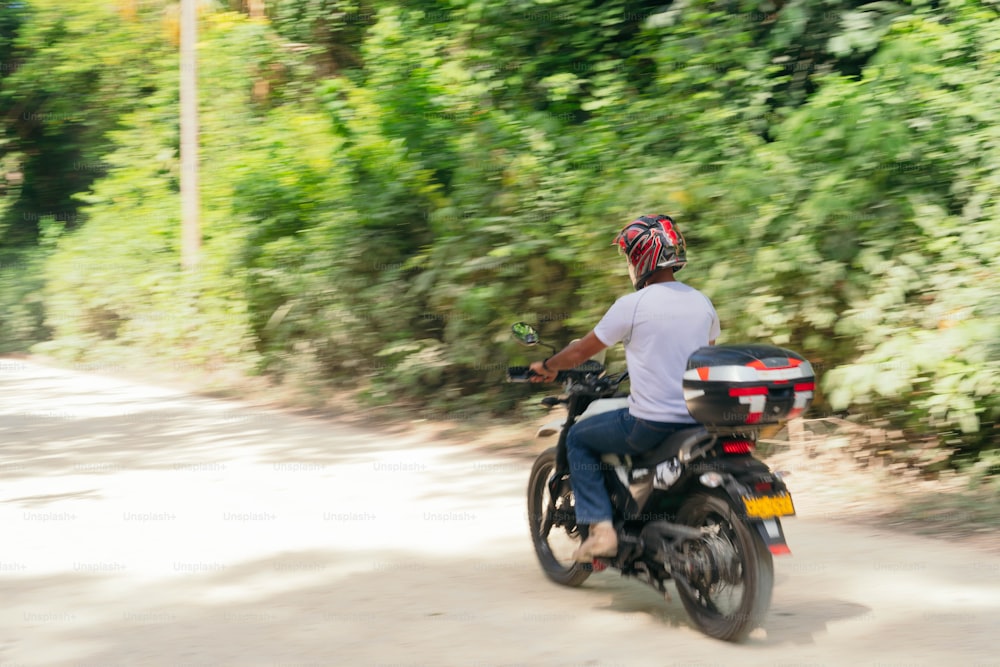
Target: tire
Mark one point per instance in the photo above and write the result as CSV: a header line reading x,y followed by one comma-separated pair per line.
x,y
735,557
553,545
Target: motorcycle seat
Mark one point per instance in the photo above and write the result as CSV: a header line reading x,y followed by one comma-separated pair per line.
x,y
671,447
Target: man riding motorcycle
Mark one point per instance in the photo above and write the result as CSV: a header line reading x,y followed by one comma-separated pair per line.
x,y
661,324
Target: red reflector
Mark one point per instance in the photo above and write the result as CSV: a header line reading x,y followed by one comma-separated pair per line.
x,y
805,386
737,447
598,566
748,391
762,486
779,549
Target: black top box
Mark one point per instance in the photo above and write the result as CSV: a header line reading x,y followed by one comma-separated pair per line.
x,y
747,385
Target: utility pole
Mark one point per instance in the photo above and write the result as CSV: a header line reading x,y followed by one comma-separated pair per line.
x,y
190,202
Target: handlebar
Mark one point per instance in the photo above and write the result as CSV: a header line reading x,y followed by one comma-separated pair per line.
x,y
589,368
524,374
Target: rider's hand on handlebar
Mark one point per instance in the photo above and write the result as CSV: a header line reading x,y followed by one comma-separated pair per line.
x,y
541,374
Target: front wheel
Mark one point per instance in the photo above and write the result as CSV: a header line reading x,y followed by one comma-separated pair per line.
x,y
553,524
729,575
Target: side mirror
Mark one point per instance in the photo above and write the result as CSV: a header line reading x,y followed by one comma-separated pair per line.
x,y
525,333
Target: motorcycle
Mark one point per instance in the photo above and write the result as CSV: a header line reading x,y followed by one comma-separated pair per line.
x,y
699,509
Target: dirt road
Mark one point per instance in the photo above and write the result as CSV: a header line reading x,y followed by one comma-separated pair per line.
x,y
146,526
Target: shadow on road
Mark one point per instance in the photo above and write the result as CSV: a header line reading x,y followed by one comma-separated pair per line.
x,y
147,527
379,605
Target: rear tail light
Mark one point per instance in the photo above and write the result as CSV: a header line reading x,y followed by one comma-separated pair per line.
x,y
737,447
748,391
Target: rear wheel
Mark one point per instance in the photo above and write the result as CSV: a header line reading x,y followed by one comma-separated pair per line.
x,y
730,573
553,525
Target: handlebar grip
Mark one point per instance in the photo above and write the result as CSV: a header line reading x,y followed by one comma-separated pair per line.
x,y
519,374
524,374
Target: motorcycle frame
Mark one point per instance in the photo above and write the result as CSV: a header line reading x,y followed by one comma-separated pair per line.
x,y
736,471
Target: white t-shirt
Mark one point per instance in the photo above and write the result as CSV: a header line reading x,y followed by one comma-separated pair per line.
x,y
660,326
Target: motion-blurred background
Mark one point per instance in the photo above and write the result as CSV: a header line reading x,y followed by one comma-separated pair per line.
x,y
386,186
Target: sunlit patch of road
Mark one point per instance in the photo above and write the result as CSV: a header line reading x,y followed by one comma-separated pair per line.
x,y
143,525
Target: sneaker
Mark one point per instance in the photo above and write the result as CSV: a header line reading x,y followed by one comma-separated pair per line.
x,y
602,542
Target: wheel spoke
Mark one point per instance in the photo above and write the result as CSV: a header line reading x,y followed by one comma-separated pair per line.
x,y
728,586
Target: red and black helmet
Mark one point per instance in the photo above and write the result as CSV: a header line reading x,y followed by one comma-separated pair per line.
x,y
652,243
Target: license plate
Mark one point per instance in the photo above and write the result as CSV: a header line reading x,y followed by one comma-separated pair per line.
x,y
768,507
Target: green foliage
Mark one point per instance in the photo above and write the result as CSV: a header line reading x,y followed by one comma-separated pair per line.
x,y
72,70
116,281
875,248
329,30
386,186
21,309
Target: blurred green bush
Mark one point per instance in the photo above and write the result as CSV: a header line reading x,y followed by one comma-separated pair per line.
x,y
386,187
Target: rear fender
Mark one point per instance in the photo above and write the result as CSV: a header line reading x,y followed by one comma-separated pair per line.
x,y
774,537
737,476
740,476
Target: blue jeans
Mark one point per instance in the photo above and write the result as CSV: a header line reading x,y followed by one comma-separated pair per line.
x,y
613,432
